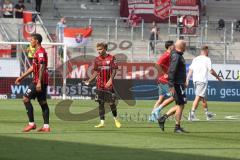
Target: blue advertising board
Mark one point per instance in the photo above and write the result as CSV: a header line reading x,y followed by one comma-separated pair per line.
x,y
217,91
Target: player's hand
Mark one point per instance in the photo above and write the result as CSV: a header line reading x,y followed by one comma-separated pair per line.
x,y
172,91
86,82
219,79
165,76
38,87
18,80
108,84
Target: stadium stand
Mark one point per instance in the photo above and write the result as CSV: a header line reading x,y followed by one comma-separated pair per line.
x,y
221,9
103,19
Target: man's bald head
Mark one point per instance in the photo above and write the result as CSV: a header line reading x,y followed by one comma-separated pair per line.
x,y
180,45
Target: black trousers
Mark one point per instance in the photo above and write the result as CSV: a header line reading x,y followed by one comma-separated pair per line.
x,y
38,5
96,1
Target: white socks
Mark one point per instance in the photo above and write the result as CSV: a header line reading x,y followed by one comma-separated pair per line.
x,y
46,126
31,123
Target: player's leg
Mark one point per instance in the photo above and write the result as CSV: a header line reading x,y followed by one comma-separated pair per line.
x,y
100,98
180,99
113,107
158,102
42,100
160,98
45,115
192,115
162,119
30,94
165,103
178,117
199,88
163,91
101,114
156,109
112,100
209,115
166,94
171,111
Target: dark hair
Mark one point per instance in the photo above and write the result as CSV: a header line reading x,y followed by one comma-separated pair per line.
x,y
168,44
204,48
37,36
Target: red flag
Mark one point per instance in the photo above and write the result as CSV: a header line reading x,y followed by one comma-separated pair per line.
x,y
29,26
75,37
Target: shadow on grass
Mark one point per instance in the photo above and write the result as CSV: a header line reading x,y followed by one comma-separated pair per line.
x,y
13,148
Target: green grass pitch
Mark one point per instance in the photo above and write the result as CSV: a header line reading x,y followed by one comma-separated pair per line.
x,y
138,139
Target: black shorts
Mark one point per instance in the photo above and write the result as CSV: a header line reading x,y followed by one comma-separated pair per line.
x,y
180,95
32,93
105,96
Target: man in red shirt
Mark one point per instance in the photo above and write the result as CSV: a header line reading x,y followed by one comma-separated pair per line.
x,y
105,67
38,87
162,65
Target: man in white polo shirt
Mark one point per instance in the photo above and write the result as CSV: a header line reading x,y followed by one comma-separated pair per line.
x,y
200,67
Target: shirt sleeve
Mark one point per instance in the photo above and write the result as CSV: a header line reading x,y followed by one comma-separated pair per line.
x,y
42,57
172,69
95,67
209,64
162,59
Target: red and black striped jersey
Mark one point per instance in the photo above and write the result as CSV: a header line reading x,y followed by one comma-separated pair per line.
x,y
40,57
104,67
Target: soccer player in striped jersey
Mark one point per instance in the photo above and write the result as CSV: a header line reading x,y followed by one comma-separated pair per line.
x,y
105,67
38,87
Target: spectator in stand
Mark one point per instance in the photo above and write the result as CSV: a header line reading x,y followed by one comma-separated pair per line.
x,y
133,19
38,5
154,35
19,7
60,34
60,29
180,26
7,9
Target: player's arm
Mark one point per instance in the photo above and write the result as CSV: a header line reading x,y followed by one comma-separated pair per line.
x,y
159,68
114,67
94,75
41,70
212,71
109,82
172,71
19,79
189,75
160,64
